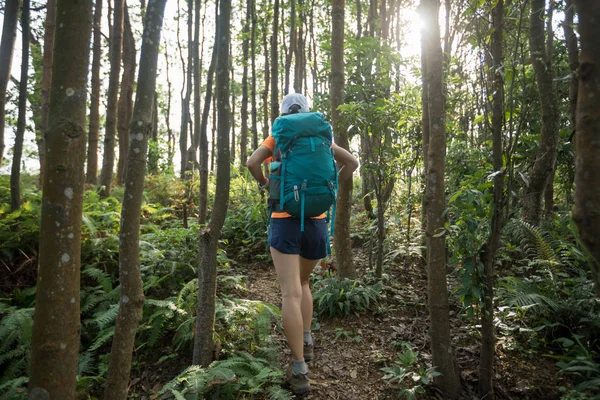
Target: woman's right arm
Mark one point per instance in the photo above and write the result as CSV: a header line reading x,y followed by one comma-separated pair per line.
x,y
255,161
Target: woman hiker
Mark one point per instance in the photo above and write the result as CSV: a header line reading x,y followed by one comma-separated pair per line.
x,y
296,249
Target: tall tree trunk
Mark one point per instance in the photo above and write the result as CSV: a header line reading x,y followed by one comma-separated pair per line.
x,y
365,156
275,64
292,48
125,105
170,136
207,267
358,19
232,94
299,50
116,44
244,106
185,100
424,127
7,45
49,29
267,76
488,338
193,151
15,173
546,156
55,337
587,145
132,295
94,127
252,6
341,240
435,204
573,55
203,197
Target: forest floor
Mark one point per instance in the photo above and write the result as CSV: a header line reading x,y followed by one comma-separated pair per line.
x,y
350,351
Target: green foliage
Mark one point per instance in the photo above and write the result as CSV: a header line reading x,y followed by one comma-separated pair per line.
x,y
333,296
245,229
405,368
227,379
16,328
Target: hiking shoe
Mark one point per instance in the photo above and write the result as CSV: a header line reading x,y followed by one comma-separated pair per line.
x,y
309,352
298,382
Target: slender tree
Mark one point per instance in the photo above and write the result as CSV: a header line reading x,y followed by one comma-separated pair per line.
x,y
275,64
435,204
203,197
55,337
573,55
132,295
125,105
94,127
587,145
244,105
252,6
116,44
207,267
9,35
291,49
185,99
343,247
15,173
193,150
488,339
541,172
49,28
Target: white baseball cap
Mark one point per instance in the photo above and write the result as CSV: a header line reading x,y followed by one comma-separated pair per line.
x,y
294,98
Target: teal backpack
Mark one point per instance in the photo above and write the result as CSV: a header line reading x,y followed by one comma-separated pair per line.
x,y
304,176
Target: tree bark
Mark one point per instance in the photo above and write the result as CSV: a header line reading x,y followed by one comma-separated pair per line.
x,y
275,64
573,55
116,44
193,150
94,127
587,145
424,127
7,45
125,105
252,6
185,100
341,239
546,156
15,173
203,197
244,105
55,337
299,51
233,98
267,76
132,295
488,338
435,204
207,268
49,29
292,48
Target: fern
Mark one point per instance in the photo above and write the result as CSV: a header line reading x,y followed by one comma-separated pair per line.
x,y
103,338
278,393
99,276
14,389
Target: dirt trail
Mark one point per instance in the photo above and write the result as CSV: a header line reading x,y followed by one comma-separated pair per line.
x,y
350,351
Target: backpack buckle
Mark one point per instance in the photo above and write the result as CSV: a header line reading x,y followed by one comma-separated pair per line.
x,y
296,195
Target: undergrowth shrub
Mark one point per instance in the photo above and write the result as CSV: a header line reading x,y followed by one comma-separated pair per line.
x,y
333,296
245,229
242,375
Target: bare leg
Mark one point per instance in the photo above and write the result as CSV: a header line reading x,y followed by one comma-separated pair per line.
x,y
306,267
287,267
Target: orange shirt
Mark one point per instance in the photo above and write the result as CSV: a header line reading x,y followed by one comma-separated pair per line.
x,y
270,144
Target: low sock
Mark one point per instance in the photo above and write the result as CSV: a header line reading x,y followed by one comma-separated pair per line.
x,y
308,338
299,367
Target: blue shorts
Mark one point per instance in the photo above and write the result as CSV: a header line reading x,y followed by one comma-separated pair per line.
x,y
285,236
